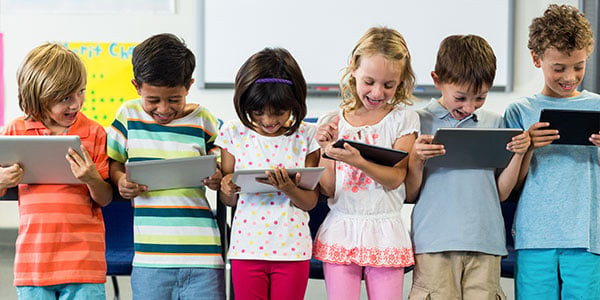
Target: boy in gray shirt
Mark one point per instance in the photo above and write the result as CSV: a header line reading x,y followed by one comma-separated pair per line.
x,y
457,226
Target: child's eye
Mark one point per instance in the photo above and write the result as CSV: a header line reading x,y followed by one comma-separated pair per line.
x,y
174,100
389,86
258,113
559,70
368,82
65,99
459,98
82,91
578,68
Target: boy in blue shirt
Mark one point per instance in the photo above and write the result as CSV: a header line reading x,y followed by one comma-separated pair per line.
x,y
176,238
557,221
457,226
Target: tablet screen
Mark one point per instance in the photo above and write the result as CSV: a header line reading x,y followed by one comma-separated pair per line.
x,y
574,126
473,148
376,154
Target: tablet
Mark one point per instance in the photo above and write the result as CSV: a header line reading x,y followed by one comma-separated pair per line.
x,y
43,158
473,148
574,126
246,179
376,154
171,173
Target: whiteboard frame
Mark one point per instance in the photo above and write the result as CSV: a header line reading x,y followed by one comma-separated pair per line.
x,y
329,89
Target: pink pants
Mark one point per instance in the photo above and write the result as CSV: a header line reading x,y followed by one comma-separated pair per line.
x,y
263,279
343,282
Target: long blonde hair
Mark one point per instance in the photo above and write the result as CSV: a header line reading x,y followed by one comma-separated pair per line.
x,y
389,43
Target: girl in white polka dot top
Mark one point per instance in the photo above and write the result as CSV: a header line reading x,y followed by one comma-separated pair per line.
x,y
270,244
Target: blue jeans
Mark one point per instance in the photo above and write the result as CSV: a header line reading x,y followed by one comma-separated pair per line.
x,y
71,291
564,273
177,283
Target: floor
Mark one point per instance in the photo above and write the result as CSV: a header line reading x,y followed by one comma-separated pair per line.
x,y
315,290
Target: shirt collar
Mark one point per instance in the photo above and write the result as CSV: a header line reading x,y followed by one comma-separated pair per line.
x,y
78,128
441,112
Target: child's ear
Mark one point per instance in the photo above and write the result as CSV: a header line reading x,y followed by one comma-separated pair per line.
x,y
137,88
435,78
536,60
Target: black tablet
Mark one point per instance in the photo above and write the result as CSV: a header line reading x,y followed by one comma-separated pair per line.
x,y
473,148
372,153
574,126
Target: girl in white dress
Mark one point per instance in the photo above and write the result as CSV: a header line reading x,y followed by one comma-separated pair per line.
x,y
270,244
363,235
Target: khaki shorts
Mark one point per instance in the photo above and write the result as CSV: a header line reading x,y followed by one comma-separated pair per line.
x,y
456,275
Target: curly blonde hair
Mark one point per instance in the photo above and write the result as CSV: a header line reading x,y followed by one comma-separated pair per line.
x,y
389,43
562,27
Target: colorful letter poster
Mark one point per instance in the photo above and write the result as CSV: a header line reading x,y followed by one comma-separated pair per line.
x,y
109,74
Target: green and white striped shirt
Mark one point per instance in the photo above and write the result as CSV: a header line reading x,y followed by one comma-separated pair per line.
x,y
173,228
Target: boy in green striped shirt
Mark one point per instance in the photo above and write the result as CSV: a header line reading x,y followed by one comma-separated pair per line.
x,y
176,238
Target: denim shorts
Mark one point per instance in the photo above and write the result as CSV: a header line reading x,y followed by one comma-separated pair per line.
x,y
177,283
71,291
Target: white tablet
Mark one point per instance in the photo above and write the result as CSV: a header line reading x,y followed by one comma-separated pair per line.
x,y
473,148
246,179
171,173
43,158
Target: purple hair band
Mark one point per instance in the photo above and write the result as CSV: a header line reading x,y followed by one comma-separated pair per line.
x,y
274,80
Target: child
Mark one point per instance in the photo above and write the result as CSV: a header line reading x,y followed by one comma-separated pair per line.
x,y
270,239
60,247
557,221
457,226
363,234
177,244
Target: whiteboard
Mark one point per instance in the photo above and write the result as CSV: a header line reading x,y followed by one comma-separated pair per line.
x,y
320,34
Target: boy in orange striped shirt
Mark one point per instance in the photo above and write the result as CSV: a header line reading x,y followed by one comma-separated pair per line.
x,y
60,247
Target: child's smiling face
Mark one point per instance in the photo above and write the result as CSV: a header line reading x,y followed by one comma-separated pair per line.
x,y
164,104
563,71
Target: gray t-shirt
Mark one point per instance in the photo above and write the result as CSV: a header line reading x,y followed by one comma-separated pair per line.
x,y
458,209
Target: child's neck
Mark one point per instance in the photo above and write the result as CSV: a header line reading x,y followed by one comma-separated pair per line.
x,y
363,117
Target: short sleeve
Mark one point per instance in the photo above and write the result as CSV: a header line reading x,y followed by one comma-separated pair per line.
x,y
116,140
512,117
225,137
410,123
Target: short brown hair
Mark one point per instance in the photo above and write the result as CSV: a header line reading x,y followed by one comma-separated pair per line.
x,y
562,27
389,43
466,59
49,73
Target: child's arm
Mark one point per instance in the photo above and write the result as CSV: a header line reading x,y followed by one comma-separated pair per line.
x,y
301,198
422,150
539,138
390,177
127,189
10,176
84,169
326,135
509,177
227,193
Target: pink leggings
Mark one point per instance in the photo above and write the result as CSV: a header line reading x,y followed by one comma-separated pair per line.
x,y
343,281
263,279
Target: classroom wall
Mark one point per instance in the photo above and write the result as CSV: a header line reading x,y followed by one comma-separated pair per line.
x,y
23,31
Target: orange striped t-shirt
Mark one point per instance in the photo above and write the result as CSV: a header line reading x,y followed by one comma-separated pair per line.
x,y
61,229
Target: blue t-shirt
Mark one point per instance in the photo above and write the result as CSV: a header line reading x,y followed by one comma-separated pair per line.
x,y
458,209
558,207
